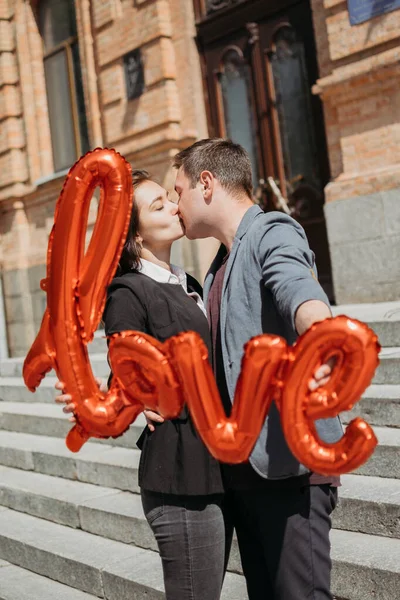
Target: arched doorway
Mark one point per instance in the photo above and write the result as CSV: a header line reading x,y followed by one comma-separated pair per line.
x,y
259,65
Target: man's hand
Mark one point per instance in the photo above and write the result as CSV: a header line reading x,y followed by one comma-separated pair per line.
x,y
322,375
67,398
307,314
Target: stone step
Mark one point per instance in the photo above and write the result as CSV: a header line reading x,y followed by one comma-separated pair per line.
x,y
105,568
104,464
382,317
365,566
100,510
380,405
387,330
49,420
19,584
13,389
12,367
99,343
388,372
369,505
107,512
385,461
95,463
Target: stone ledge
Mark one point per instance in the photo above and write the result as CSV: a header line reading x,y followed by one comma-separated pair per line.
x,y
351,185
380,66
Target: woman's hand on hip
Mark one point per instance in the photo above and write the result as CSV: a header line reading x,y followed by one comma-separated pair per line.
x,y
152,418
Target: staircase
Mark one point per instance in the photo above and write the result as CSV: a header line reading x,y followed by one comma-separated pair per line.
x,y
72,526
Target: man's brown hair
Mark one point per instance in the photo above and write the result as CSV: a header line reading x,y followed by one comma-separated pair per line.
x,y
227,161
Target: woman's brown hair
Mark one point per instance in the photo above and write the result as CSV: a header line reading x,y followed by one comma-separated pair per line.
x,y
130,257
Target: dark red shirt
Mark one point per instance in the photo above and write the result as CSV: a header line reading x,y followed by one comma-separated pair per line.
x,y
213,310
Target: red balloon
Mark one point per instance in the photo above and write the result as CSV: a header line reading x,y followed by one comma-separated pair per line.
x,y
142,366
163,376
76,285
356,349
228,439
271,370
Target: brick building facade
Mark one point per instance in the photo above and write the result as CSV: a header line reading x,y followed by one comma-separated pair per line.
x,y
56,102
359,75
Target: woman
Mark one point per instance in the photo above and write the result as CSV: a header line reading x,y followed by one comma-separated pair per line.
x,y
181,483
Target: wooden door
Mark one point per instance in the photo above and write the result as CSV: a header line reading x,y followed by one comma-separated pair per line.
x,y
259,72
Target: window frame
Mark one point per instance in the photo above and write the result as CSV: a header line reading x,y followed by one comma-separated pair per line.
x,y
240,49
66,47
248,47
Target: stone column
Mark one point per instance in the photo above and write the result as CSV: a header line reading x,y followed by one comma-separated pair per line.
x,y
17,281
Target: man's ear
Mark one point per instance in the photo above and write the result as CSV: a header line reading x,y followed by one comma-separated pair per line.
x,y
207,182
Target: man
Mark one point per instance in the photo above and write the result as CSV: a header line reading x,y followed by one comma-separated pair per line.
x,y
262,280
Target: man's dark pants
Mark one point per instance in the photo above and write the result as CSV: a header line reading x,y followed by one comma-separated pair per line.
x,y
283,536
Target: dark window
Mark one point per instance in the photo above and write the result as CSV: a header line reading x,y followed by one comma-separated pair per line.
x,y
292,90
259,66
69,134
235,81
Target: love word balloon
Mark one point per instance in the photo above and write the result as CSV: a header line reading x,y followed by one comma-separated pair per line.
x,y
162,377
76,287
158,374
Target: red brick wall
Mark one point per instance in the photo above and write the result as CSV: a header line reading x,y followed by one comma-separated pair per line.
x,y
148,131
359,84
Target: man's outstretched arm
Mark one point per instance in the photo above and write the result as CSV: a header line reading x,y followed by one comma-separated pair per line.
x,y
289,273
310,312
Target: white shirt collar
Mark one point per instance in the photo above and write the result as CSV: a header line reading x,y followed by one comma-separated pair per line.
x,y
177,275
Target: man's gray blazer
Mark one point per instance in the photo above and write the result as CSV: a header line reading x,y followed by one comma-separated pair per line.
x,y
269,274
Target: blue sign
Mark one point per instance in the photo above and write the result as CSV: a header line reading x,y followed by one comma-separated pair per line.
x,y
364,10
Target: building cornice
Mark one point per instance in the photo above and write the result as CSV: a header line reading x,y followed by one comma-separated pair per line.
x,y
380,66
